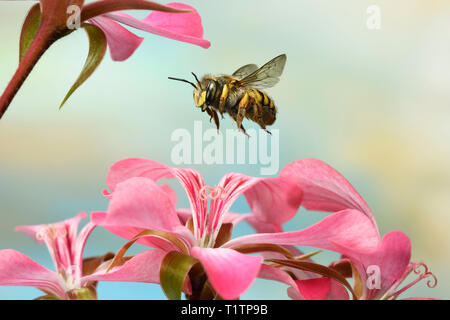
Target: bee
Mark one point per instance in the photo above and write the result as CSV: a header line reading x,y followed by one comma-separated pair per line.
x,y
240,95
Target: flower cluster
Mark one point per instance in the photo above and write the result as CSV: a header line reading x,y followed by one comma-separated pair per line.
x,y
191,251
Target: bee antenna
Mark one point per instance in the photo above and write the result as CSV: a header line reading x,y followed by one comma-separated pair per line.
x,y
195,76
183,80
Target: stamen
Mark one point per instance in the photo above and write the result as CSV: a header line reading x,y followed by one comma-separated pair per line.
x,y
55,237
51,232
215,192
416,267
426,274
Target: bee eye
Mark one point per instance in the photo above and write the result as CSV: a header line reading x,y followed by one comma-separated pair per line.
x,y
210,91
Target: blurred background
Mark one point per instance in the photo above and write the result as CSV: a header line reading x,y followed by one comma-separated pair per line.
x,y
374,104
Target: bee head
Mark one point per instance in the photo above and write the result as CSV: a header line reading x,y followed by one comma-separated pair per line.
x,y
199,93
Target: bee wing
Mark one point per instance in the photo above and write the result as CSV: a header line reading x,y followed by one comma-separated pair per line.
x,y
267,75
244,71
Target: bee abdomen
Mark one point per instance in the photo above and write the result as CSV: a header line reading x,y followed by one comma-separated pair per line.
x,y
269,110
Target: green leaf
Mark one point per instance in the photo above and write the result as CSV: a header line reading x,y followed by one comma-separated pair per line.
x,y
173,273
317,268
147,233
97,50
29,29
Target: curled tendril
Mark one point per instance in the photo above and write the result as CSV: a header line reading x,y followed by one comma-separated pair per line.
x,y
215,192
426,273
420,269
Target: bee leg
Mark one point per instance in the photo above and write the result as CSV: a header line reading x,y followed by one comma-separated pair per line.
x,y
267,131
216,119
243,104
213,115
243,131
209,112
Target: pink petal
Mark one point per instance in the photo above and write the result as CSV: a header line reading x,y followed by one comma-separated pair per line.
x,y
137,167
392,258
129,232
349,232
337,291
298,274
78,246
230,217
66,250
170,193
72,226
262,227
121,42
231,273
272,200
140,202
294,294
191,180
314,289
144,267
324,188
186,27
16,269
276,274
31,230
184,215
235,218
107,194
318,289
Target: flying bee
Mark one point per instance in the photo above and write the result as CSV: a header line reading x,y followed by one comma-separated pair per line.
x,y
240,94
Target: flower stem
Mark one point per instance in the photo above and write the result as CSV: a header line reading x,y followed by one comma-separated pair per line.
x,y
44,38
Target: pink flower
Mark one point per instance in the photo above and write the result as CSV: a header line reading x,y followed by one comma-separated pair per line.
x,y
185,27
50,20
73,278
138,203
325,189
377,275
382,272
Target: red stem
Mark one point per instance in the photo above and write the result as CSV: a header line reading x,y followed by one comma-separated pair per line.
x,y
44,38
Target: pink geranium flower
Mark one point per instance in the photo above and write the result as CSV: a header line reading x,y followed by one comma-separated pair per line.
x,y
377,275
185,27
138,203
73,278
325,189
